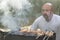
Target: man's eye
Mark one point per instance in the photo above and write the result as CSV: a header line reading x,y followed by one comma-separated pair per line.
x,y
47,10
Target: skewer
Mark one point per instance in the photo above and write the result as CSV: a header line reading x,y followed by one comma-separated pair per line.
x,y
37,36
44,37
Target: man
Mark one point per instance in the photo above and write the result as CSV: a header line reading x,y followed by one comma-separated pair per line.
x,y
48,21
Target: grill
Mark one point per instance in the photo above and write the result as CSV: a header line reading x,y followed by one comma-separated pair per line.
x,y
23,36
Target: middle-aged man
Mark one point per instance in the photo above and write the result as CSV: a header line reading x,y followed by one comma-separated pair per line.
x,y
48,21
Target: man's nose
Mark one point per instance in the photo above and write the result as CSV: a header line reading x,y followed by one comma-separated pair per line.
x,y
44,12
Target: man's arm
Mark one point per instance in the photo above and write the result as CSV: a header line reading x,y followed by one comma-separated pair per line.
x,y
34,26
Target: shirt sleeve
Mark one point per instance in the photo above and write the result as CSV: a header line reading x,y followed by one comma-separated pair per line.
x,y
34,26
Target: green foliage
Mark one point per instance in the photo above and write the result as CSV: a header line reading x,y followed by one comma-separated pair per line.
x,y
38,3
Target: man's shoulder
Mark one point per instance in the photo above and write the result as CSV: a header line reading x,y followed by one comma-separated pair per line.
x,y
39,18
56,15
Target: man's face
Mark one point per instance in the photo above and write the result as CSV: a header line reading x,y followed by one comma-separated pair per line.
x,y
46,11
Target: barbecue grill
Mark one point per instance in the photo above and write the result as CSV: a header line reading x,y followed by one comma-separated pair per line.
x,y
6,35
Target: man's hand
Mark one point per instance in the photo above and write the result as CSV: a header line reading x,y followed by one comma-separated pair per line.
x,y
40,32
49,33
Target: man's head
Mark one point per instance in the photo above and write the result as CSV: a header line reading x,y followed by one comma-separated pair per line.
x,y
47,10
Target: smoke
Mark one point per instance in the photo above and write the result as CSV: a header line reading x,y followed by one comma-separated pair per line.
x,y
19,4
14,13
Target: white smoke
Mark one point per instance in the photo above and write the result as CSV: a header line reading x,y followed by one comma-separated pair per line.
x,y
7,19
19,4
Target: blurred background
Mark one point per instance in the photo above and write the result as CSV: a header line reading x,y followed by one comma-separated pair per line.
x,y
20,13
